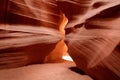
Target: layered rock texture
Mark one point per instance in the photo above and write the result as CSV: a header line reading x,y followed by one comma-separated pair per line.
x,y
31,29
93,36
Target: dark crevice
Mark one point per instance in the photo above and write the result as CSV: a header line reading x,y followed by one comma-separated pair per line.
x,y
77,70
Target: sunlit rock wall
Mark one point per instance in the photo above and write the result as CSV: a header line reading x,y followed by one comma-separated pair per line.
x,y
93,36
29,32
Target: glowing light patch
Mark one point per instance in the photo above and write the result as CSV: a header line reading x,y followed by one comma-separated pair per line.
x,y
67,58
